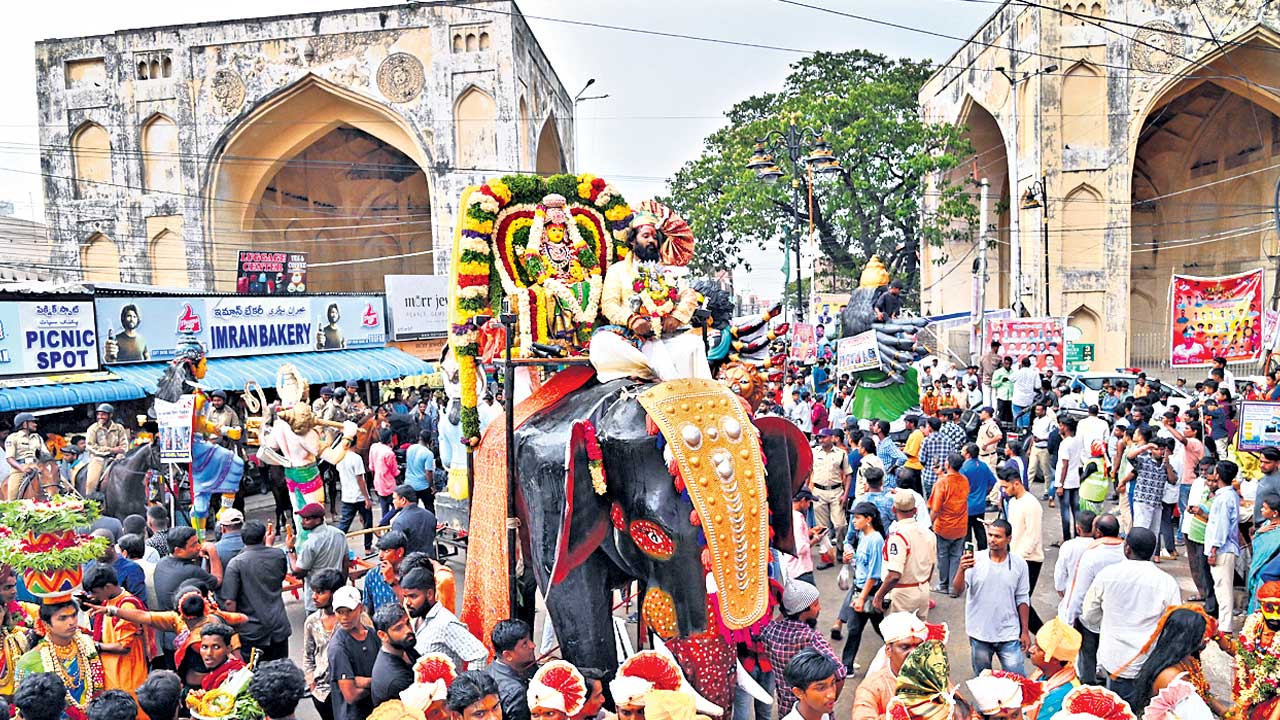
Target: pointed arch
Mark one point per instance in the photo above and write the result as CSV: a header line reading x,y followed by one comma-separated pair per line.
x,y
475,120
91,156
280,127
100,259
1084,91
1082,240
1088,321
550,159
168,260
159,139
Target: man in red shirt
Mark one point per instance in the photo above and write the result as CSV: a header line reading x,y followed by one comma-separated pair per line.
x,y
949,508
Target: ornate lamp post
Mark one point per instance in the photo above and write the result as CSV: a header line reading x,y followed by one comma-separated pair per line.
x,y
791,144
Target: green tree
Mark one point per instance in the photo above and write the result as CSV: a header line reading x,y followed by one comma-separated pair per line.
x,y
866,106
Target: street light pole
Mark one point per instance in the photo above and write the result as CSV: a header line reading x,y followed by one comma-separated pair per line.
x,y
577,99
792,142
1038,197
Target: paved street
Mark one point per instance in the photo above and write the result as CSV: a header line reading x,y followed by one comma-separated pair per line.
x,y
1217,664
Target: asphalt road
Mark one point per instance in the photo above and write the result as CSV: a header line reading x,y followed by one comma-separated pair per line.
x,y
1218,665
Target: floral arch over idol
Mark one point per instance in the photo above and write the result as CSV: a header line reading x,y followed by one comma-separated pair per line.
x,y
516,243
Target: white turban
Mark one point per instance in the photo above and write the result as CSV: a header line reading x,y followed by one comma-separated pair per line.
x,y
557,686
628,690
902,625
992,693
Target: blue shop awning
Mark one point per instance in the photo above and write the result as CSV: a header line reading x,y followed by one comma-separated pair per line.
x,y
317,367
36,397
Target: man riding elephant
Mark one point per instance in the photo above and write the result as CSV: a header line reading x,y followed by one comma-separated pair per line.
x,y
649,305
23,449
105,440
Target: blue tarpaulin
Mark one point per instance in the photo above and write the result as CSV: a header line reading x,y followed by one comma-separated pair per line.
x,y
317,367
37,397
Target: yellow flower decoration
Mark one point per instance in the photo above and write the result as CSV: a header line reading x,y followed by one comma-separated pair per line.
x,y
617,214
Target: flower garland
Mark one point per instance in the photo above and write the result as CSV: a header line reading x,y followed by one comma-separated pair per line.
x,y
91,675
595,458
1257,665
657,296
475,294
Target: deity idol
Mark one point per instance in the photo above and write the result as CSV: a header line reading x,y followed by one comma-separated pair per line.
x,y
560,303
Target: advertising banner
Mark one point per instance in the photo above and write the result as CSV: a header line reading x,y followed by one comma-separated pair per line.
x,y
1259,425
47,337
804,343
1216,317
1041,339
268,272
174,422
146,329
857,353
417,305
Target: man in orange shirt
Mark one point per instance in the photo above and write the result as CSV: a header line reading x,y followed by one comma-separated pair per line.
x,y
949,508
903,632
909,475
122,645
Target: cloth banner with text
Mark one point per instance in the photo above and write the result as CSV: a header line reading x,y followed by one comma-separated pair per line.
x,y
1216,317
174,423
857,353
1041,339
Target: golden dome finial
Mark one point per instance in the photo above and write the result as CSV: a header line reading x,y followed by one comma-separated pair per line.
x,y
874,274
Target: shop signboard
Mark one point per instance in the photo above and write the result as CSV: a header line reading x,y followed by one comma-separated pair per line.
x,y
173,420
857,353
47,337
417,306
271,272
146,329
1041,339
1079,356
1259,425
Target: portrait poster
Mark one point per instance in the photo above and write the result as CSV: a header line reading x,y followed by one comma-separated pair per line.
x,y
1216,317
174,434
1041,339
804,343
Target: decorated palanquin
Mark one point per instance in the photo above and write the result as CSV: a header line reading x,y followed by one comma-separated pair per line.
x,y
516,243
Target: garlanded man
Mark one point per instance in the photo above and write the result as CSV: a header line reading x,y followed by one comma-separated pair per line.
x,y
1257,651
66,652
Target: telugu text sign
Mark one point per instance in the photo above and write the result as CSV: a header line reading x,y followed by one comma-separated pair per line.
x,y
47,337
857,353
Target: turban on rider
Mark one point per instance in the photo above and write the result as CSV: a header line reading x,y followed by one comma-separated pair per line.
x,y
557,686
1059,641
677,246
902,625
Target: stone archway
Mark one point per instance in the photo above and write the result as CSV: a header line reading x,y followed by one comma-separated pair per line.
x,y
550,157
990,161
340,171
1206,159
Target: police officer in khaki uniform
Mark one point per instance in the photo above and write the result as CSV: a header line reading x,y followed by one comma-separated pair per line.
x,y
989,434
24,448
910,556
829,482
105,439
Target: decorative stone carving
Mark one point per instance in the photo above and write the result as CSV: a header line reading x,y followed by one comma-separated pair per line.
x,y
400,77
228,90
1156,47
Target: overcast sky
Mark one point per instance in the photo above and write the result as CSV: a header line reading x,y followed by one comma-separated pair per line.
x,y
665,94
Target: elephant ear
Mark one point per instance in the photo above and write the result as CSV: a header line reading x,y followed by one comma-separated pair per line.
x,y
585,519
788,463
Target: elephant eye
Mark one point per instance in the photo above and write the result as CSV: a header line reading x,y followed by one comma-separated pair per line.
x,y
652,540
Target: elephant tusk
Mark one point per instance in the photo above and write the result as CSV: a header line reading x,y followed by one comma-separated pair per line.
x,y
748,683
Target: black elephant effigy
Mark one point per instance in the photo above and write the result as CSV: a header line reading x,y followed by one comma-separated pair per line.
x,y
620,478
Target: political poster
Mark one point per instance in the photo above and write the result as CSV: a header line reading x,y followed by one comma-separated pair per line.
x,y
270,272
54,337
173,420
1259,425
857,353
417,306
1040,339
1216,317
146,328
804,343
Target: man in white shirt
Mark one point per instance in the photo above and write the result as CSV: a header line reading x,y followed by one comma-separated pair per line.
x,y
1026,515
1038,454
1070,456
1106,550
1124,605
1026,383
1092,428
1064,569
800,413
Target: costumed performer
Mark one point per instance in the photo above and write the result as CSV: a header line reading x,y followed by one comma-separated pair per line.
x,y
213,468
15,629
1003,695
66,652
1173,652
649,306
1257,649
923,687
295,442
903,632
1054,655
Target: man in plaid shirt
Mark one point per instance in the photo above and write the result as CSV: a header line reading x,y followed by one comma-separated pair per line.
x,y
933,453
786,636
952,430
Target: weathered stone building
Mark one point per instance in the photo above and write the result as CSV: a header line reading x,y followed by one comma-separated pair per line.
x,y
1158,142
347,135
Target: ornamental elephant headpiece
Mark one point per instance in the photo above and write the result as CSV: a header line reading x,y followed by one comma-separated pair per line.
x,y
610,510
